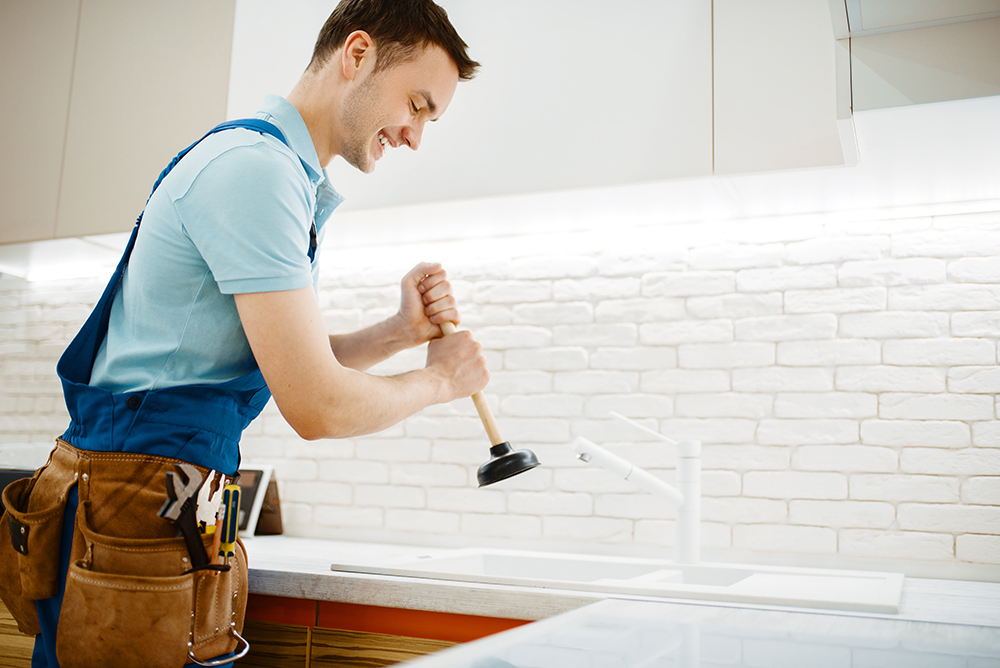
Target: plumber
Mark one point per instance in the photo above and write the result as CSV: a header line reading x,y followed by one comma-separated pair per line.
x,y
213,310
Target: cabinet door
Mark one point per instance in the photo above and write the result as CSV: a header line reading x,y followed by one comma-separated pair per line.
x,y
775,86
15,648
150,78
358,649
36,67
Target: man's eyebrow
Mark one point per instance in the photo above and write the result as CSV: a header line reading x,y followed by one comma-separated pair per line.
x,y
431,107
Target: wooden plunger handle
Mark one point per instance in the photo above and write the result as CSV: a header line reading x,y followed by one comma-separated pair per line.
x,y
482,407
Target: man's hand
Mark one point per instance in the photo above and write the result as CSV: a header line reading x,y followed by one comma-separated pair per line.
x,y
427,301
459,360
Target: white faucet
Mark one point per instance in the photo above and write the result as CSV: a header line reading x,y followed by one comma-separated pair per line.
x,y
687,498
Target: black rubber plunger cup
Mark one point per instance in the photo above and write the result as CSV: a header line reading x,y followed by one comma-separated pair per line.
x,y
505,461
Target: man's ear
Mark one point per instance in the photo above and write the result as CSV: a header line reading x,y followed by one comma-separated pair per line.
x,y
359,48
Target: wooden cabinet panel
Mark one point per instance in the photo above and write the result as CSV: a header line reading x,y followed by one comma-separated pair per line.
x,y
150,78
358,649
36,66
15,648
350,634
276,645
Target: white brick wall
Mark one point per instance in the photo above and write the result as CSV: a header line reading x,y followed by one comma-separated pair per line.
x,y
842,375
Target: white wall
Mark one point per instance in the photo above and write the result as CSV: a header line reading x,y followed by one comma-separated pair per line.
x,y
840,369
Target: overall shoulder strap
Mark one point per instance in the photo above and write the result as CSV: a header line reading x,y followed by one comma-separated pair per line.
x,y
260,126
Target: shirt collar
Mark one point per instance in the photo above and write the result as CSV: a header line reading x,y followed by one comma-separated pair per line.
x,y
278,110
281,112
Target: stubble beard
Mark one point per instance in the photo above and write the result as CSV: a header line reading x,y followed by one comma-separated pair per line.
x,y
359,110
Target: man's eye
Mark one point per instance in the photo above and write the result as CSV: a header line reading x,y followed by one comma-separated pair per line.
x,y
414,108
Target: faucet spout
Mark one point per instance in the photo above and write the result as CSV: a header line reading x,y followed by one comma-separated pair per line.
x,y
590,452
687,498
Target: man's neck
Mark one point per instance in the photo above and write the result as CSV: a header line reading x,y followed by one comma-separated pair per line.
x,y
312,98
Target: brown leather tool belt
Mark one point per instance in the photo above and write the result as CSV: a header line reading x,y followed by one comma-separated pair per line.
x,y
131,596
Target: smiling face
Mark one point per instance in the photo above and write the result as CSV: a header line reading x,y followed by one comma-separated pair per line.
x,y
389,108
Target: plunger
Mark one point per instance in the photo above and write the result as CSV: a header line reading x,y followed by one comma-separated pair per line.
x,y
505,461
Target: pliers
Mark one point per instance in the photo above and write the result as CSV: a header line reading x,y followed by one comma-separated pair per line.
x,y
180,508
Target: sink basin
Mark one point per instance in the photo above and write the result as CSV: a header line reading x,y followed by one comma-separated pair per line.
x,y
860,591
508,566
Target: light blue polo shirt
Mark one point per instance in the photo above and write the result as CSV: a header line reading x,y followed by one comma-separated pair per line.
x,y
234,216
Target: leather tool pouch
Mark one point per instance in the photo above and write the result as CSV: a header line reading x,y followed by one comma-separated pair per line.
x,y
29,559
136,600
131,598
35,534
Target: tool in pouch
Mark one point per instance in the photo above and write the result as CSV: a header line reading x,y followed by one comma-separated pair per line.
x,y
230,523
181,509
183,488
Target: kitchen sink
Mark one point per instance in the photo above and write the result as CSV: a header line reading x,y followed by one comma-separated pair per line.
x,y
860,591
505,567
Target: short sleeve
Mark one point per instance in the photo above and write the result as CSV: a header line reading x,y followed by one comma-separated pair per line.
x,y
249,213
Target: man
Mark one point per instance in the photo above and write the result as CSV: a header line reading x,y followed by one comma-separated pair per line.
x,y
212,310
358,104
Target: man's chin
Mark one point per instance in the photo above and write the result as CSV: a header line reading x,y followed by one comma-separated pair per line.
x,y
365,167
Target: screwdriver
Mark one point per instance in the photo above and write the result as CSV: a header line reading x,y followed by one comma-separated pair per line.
x,y
220,515
230,523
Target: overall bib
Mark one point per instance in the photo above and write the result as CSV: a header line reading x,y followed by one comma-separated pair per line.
x,y
200,424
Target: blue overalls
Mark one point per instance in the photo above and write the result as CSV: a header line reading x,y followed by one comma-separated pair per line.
x,y
200,424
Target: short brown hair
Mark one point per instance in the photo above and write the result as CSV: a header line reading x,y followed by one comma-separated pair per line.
x,y
398,28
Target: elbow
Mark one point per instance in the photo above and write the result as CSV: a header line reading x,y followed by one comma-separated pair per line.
x,y
314,428
314,418
306,425
309,433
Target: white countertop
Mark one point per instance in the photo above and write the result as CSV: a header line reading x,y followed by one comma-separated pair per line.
x,y
300,568
645,634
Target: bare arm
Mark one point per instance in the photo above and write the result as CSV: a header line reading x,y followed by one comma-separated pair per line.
x,y
425,303
322,398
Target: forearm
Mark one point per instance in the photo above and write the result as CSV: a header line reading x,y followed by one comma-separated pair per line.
x,y
352,403
367,347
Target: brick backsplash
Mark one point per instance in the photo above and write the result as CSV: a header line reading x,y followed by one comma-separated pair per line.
x,y
843,384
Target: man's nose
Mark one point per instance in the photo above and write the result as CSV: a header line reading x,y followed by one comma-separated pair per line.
x,y
412,134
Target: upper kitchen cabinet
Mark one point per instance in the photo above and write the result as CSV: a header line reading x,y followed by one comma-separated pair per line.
x,y
103,93
37,41
572,94
776,87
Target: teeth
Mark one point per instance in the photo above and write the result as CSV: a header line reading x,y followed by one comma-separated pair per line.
x,y
384,141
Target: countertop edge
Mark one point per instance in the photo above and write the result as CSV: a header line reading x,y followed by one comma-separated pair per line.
x,y
521,603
